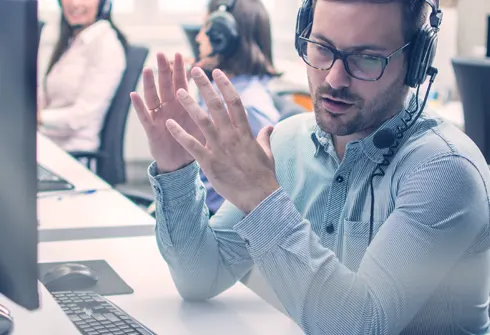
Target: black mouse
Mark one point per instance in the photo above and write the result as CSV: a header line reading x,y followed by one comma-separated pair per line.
x,y
6,323
69,277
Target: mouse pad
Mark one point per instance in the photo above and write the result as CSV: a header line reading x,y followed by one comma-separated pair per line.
x,y
109,283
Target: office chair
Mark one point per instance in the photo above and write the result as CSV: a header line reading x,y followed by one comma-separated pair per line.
x,y
286,107
299,97
40,25
473,79
109,160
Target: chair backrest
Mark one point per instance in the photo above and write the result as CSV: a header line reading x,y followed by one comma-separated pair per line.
x,y
473,82
40,26
286,107
111,167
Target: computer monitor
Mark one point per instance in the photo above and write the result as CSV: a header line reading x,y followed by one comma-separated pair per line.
x,y
18,167
191,31
488,36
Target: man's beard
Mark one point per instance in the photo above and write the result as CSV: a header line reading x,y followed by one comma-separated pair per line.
x,y
362,116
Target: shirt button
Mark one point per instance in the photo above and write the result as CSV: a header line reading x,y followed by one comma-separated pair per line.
x,y
247,242
330,229
339,179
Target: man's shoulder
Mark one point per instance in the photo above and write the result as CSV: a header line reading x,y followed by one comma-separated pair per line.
x,y
439,140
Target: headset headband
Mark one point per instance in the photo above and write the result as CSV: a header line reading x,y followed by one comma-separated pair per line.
x,y
436,15
227,6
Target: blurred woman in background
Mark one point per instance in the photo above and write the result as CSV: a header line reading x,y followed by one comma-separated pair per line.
x,y
83,75
236,38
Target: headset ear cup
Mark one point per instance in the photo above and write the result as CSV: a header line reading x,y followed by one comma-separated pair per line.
x,y
429,55
223,33
303,19
415,59
421,56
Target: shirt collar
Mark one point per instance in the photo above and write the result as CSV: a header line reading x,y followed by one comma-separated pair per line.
x,y
323,140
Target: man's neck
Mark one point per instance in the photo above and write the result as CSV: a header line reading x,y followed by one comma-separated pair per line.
x,y
340,142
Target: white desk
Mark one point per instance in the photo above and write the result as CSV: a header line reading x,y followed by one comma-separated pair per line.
x,y
47,320
74,214
61,163
155,301
102,214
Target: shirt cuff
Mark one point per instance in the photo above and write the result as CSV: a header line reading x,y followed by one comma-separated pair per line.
x,y
266,226
174,185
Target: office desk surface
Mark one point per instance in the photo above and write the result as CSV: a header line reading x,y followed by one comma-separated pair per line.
x,y
61,163
100,214
49,319
155,301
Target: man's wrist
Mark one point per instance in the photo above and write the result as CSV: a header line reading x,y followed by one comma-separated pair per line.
x,y
257,196
163,168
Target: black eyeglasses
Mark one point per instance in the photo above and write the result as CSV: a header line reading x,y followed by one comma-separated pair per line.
x,y
360,66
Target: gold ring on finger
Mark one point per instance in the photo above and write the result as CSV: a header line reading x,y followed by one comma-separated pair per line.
x,y
157,108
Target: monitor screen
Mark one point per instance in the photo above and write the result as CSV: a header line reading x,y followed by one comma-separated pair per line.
x,y
18,168
191,31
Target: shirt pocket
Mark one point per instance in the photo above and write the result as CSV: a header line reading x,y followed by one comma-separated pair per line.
x,y
356,240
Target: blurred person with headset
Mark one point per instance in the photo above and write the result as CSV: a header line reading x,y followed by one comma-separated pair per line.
x,y
368,217
83,74
236,38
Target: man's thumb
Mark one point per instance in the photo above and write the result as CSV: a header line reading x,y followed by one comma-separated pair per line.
x,y
264,139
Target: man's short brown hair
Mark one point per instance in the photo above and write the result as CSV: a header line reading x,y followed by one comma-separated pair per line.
x,y
414,14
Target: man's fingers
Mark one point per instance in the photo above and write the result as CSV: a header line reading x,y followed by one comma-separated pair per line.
x,y
264,139
215,103
180,75
200,117
188,142
165,78
149,90
233,101
141,110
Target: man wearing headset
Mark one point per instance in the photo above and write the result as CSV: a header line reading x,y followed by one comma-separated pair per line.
x,y
369,217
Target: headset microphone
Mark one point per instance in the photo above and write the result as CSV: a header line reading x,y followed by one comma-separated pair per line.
x,y
384,138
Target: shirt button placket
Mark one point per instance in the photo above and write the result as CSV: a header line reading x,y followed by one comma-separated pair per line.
x,y
338,193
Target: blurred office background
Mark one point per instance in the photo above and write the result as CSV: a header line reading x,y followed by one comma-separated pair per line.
x,y
156,24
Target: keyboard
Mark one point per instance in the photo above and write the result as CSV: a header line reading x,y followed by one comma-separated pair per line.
x,y
48,181
93,314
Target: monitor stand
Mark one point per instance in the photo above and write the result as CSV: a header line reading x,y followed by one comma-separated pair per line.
x,y
48,319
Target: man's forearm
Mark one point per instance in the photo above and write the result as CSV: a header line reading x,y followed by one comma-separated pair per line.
x,y
324,296
184,237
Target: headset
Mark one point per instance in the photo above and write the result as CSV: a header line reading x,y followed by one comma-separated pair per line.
x,y
423,47
105,7
422,52
222,30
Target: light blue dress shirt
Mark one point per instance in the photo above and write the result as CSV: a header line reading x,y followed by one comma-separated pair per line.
x,y
427,270
261,112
